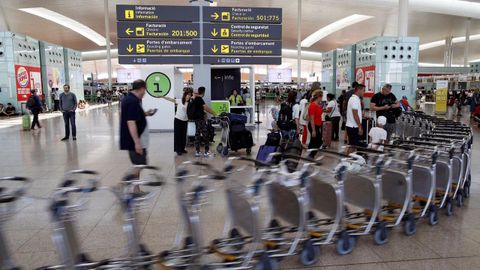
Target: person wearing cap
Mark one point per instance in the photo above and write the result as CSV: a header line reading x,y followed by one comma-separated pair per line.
x,y
378,135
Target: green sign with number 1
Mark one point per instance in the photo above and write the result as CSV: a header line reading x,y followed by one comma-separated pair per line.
x,y
158,84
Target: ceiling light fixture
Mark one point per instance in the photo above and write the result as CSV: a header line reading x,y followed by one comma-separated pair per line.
x,y
333,27
68,23
440,43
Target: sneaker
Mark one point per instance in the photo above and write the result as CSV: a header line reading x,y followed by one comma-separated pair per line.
x,y
74,138
184,152
207,154
197,154
64,139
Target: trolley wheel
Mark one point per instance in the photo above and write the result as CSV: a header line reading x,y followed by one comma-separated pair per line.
x,y
249,151
460,198
220,148
380,236
466,189
433,215
409,226
309,254
345,243
266,263
449,207
225,151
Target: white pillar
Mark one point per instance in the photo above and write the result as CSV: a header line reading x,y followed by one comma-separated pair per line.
x,y
467,42
299,42
402,18
107,38
447,57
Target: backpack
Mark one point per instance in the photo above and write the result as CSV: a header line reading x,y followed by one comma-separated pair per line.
x,y
191,111
284,121
31,102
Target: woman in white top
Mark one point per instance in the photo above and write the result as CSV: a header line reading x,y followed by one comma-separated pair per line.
x,y
333,114
180,124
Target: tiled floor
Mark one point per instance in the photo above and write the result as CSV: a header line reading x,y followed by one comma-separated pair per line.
x,y
39,154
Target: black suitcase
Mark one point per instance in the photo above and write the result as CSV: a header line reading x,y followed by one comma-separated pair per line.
x,y
241,139
273,139
292,147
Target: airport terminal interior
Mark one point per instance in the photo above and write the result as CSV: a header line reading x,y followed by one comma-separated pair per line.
x,y
254,134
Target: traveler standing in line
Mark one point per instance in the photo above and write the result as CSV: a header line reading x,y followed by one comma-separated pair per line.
x,y
315,112
35,106
198,114
134,134
333,114
288,117
303,120
385,103
56,99
180,124
68,105
354,116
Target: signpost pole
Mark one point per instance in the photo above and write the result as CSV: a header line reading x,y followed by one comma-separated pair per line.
x,y
299,43
202,72
107,39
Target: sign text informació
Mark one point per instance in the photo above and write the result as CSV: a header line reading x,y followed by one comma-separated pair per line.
x,y
137,13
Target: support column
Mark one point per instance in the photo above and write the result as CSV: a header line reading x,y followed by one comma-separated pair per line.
x,y
299,42
467,42
403,18
447,58
107,39
202,72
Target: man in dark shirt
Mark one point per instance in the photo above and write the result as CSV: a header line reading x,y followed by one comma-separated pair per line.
x,y
68,105
133,124
201,128
385,104
35,108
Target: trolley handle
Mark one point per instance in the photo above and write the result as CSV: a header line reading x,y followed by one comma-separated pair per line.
x,y
15,178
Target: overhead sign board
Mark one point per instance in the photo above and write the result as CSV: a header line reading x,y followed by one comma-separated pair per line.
x,y
158,30
158,13
158,47
157,60
242,47
241,60
243,31
242,15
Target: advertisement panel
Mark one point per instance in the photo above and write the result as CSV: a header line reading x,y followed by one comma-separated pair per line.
x,y
26,79
441,95
343,78
56,77
366,76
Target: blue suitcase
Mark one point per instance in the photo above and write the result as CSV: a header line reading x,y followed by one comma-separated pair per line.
x,y
264,151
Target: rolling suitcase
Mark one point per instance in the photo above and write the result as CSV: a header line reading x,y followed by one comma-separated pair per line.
x,y
327,133
273,139
293,147
26,122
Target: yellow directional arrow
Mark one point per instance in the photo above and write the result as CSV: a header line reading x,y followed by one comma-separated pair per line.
x,y
214,32
129,31
129,48
215,16
214,49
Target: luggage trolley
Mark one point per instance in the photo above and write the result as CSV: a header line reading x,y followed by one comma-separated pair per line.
x,y
63,212
423,184
131,201
396,193
362,190
242,226
9,196
443,172
458,168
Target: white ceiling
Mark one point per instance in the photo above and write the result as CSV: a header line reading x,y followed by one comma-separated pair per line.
x,y
316,14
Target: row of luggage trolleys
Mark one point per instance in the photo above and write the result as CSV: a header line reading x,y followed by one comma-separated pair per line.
x,y
314,206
